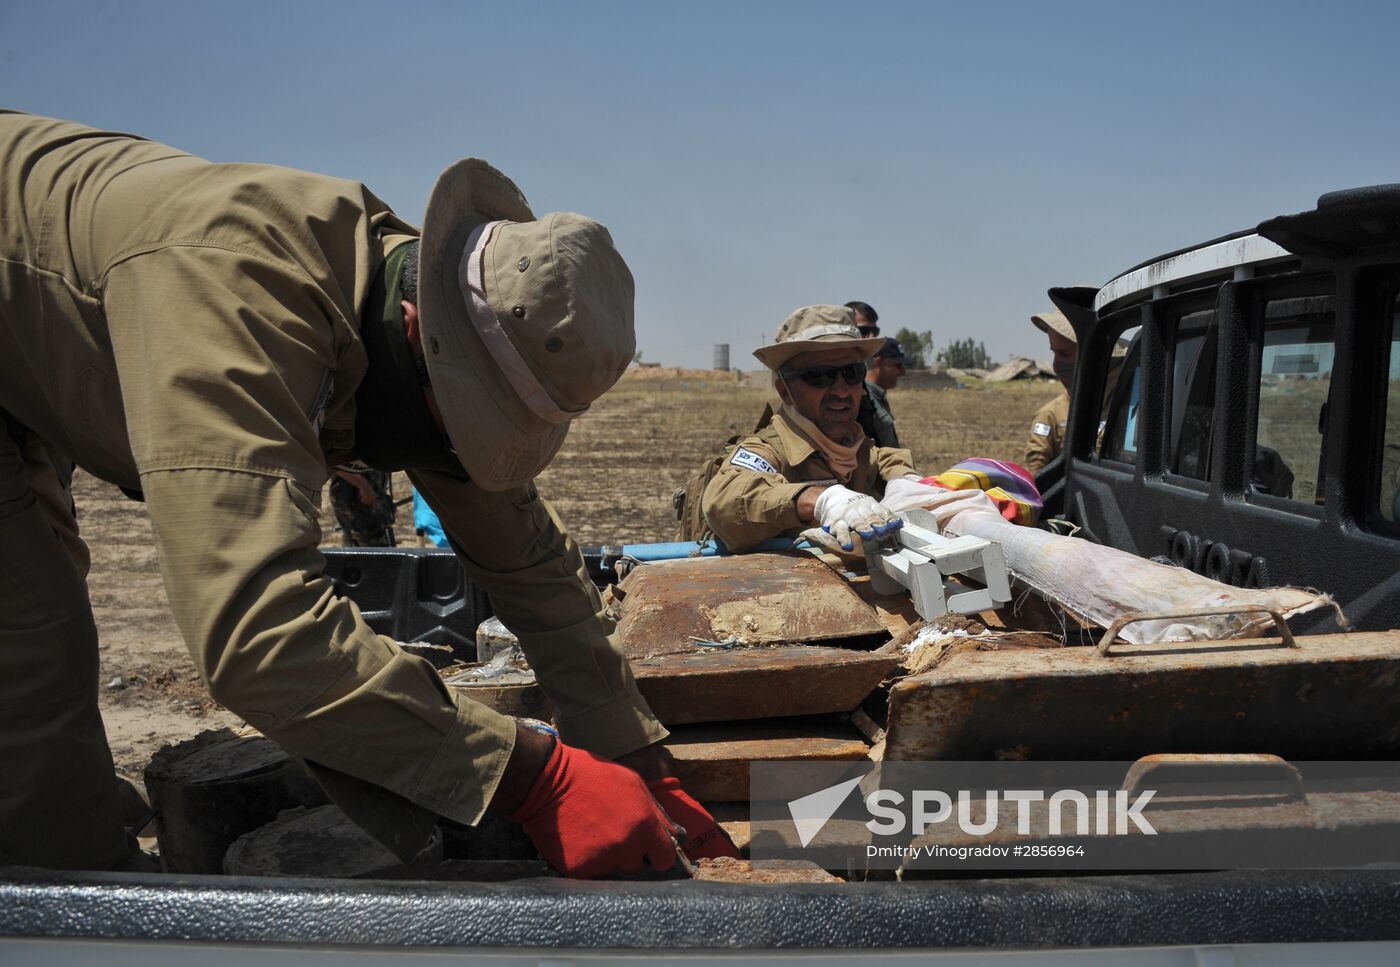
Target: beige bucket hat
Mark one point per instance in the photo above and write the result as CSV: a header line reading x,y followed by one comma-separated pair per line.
x,y
814,329
1052,321
525,321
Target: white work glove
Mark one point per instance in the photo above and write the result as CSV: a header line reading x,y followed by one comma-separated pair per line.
x,y
842,511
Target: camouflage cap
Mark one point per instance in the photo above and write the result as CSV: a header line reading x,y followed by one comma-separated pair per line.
x,y
814,329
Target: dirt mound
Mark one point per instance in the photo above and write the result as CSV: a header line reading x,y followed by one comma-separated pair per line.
x,y
1020,367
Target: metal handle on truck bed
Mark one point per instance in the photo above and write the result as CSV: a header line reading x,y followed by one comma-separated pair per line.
x,y
1280,625
1181,768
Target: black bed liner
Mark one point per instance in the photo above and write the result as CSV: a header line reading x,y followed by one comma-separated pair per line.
x,y
1111,911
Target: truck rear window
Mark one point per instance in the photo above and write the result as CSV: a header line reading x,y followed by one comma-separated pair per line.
x,y
1119,429
1390,455
1193,394
1295,377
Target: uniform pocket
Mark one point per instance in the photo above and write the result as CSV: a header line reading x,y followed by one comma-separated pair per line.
x,y
305,500
317,413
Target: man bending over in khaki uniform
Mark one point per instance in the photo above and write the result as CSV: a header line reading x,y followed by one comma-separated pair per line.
x,y
812,464
218,337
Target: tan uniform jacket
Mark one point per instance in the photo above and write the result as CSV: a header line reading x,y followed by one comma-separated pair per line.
x,y
753,497
1047,436
191,329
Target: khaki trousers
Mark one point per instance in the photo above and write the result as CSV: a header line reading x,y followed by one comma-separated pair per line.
x,y
58,792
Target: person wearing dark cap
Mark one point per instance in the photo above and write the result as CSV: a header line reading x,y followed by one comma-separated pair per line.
x,y
866,318
219,338
1047,436
882,374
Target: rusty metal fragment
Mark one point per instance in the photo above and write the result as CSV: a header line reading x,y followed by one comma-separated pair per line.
x,y
1304,702
759,683
757,598
712,761
519,700
1031,612
725,869
722,685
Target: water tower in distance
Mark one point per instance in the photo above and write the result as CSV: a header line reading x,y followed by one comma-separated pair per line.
x,y
722,356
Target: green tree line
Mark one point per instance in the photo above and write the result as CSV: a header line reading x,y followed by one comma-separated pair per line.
x,y
958,354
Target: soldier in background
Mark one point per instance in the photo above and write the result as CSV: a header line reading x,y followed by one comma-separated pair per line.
x,y
866,318
882,374
1047,436
363,502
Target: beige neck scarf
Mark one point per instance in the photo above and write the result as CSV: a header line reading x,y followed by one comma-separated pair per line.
x,y
842,460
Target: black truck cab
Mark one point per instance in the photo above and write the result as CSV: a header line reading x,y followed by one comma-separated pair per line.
x,y
1252,431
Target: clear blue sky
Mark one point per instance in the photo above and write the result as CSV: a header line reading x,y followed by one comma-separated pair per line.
x,y
946,162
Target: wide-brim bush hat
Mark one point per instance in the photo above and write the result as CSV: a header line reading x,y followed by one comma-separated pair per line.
x,y
1052,321
525,321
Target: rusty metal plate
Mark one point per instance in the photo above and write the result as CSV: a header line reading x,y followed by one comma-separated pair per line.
x,y
759,598
1333,696
712,761
759,683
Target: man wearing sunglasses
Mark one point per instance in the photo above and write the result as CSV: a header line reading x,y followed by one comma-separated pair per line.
x,y
813,464
867,319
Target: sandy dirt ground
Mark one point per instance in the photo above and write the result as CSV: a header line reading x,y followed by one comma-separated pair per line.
x,y
612,483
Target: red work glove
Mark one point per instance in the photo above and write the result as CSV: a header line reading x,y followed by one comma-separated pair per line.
x,y
588,817
703,837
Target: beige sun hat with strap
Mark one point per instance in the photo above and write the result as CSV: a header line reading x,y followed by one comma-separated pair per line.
x,y
525,321
815,329
1052,321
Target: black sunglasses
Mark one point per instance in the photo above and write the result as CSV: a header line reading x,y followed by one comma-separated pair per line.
x,y
852,374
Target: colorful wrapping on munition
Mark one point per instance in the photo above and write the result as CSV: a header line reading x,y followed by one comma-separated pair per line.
x,y
1010,487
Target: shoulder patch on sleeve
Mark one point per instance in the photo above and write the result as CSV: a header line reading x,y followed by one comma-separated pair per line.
x,y
1041,429
751,461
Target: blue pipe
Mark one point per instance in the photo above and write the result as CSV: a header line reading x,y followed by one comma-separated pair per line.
x,y
673,550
